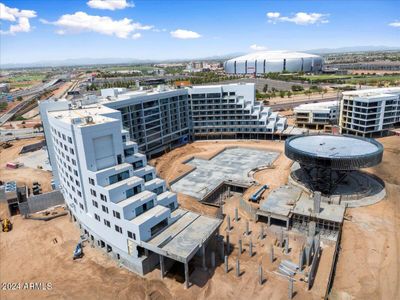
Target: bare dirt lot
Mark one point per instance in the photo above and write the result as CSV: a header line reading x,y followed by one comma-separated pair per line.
x,y
22,175
368,265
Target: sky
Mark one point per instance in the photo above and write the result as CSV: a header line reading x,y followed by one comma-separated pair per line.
x,y
45,30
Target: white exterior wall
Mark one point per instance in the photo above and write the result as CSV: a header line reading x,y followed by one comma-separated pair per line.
x,y
82,165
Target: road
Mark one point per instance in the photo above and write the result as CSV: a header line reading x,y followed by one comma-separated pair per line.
x,y
22,133
288,105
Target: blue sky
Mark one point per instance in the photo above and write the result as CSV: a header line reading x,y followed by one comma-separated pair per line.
x,y
52,30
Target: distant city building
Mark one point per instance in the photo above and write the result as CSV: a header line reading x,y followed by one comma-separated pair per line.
x,y
4,87
273,61
317,115
370,112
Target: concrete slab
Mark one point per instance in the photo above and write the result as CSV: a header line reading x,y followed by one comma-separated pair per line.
x,y
232,164
34,159
281,200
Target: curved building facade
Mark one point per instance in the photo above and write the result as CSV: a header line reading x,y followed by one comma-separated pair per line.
x,y
274,61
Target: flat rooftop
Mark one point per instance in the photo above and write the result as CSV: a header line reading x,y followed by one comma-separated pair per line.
x,y
232,164
281,200
331,212
87,116
181,240
329,146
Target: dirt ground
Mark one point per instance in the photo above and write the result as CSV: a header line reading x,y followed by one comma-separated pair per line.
x,y
368,265
24,175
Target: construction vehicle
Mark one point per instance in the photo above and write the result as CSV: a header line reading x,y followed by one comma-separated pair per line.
x,y
78,252
6,225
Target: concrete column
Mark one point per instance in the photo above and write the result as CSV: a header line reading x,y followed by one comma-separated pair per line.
x,y
162,268
237,267
271,254
222,250
228,245
287,224
317,202
290,294
226,264
251,248
240,246
301,259
213,259
262,232
228,222
286,245
312,228
308,252
247,227
260,275
236,214
203,256
186,275
269,221
281,239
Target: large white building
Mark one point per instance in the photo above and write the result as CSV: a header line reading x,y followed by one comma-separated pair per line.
x,y
263,62
317,115
230,110
369,112
113,194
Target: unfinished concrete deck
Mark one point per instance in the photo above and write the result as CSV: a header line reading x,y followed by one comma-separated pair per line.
x,y
185,237
280,201
232,164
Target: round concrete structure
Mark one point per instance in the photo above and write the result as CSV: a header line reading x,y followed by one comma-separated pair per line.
x,y
335,152
273,61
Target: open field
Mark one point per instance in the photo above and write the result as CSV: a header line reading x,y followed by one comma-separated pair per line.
x,y
368,266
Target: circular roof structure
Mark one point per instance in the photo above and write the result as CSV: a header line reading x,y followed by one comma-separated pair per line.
x,y
273,61
336,152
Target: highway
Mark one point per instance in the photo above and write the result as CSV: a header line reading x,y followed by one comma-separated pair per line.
x,y
288,105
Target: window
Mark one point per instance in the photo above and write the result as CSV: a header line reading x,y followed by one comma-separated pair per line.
x,y
118,229
116,214
77,183
133,191
131,235
103,197
95,204
74,162
63,136
91,181
97,217
71,150
107,223
79,194
104,208
80,205
93,192
75,172
69,140
118,177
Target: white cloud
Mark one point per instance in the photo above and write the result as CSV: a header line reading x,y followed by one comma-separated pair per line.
x,y
395,24
300,18
256,47
137,35
109,4
18,17
82,22
184,34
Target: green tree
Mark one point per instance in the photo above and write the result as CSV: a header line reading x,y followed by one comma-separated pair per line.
x,y
265,88
289,94
282,94
308,93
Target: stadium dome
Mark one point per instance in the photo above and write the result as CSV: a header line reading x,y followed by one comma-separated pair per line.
x,y
273,61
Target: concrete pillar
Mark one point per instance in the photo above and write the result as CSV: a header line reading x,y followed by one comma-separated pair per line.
x,y
229,191
281,239
226,263
271,254
186,275
317,202
228,222
301,258
237,267
162,268
213,259
260,275
236,214
251,248
287,224
247,227
286,245
269,221
262,232
312,228
290,294
228,245
203,257
240,246
222,250
308,252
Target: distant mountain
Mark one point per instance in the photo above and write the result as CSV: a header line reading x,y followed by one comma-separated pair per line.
x,y
85,61
352,49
